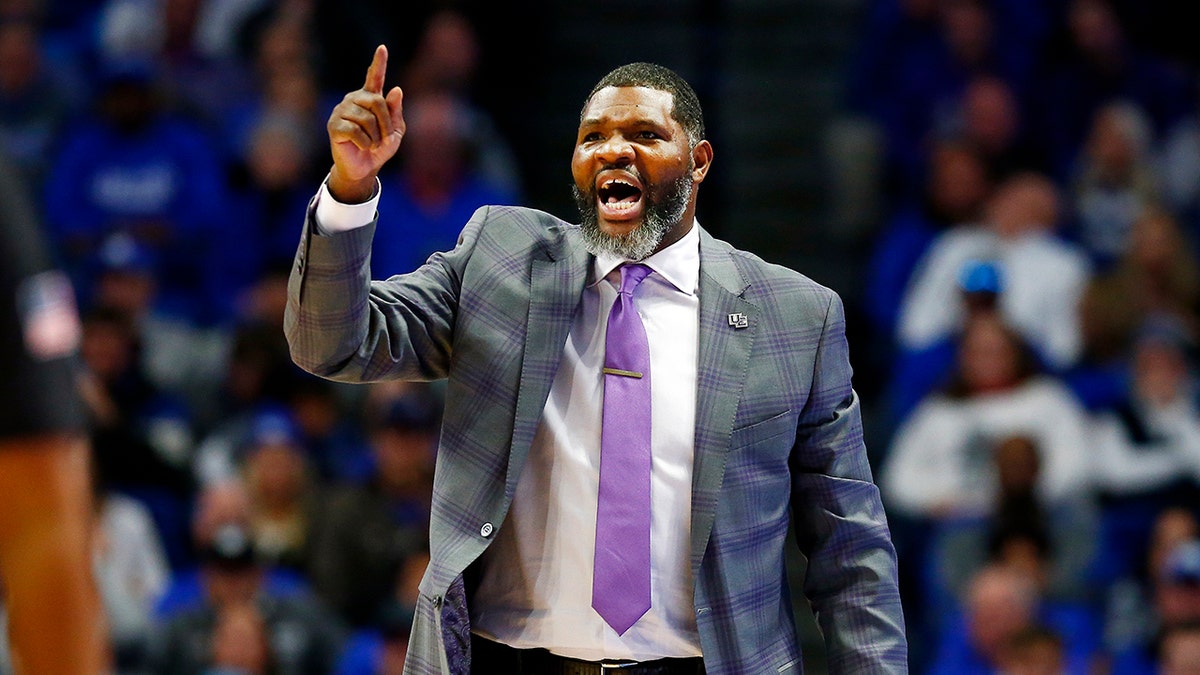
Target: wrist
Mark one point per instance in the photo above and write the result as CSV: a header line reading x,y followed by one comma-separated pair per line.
x,y
349,190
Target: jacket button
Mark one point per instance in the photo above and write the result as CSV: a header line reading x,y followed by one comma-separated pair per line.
x,y
486,530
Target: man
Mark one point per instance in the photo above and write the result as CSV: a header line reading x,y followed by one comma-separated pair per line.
x,y
55,619
751,417
301,636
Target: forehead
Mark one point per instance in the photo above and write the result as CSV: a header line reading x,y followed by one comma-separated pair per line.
x,y
629,104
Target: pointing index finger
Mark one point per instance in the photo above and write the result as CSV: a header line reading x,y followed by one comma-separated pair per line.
x,y
377,71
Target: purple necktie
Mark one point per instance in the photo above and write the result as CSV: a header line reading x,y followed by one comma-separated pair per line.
x,y
621,573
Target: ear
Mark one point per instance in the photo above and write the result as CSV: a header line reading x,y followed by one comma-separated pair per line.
x,y
702,156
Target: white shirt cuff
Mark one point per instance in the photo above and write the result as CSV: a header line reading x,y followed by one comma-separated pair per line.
x,y
333,216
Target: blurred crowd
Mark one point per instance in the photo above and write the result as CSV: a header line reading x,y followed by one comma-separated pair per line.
x,y
1032,304
1032,300
249,518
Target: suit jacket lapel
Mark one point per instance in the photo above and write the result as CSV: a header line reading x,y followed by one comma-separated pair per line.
x,y
558,274
724,361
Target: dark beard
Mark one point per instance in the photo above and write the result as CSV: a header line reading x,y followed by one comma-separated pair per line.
x,y
663,209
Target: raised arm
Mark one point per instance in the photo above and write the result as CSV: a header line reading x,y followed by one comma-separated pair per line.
x,y
365,130
339,324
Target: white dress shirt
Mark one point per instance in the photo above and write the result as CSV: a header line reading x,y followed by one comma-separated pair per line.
x,y
536,586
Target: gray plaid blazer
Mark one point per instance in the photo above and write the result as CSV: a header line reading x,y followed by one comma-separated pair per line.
x,y
778,432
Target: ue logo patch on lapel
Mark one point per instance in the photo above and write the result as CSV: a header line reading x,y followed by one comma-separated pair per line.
x,y
738,320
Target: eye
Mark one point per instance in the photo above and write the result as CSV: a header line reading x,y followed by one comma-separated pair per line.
x,y
647,135
591,137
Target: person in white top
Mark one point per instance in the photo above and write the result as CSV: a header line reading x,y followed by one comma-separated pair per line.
x,y
940,463
1153,441
1045,276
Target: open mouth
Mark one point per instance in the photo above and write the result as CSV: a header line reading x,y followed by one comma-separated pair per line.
x,y
620,196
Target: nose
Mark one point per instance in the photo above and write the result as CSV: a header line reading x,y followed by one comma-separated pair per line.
x,y
616,150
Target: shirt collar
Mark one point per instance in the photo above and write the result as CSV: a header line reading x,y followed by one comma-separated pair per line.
x,y
678,263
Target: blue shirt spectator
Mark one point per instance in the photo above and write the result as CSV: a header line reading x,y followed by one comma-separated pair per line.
x,y
140,171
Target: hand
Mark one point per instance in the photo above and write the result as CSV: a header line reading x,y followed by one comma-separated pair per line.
x,y
364,133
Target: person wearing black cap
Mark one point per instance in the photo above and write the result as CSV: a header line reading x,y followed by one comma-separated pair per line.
x,y
304,638
367,531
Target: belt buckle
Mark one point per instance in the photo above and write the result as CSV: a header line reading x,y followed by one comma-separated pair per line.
x,y
608,666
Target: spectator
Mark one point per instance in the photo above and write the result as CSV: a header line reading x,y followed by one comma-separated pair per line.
x,y
1146,452
988,115
1158,275
217,506
286,85
131,570
282,494
139,171
1044,276
1179,649
266,181
257,379
1160,269
1097,64
222,455
1114,181
367,531
446,62
1002,608
191,40
34,104
334,441
1142,605
1036,650
1053,545
1180,165
996,392
304,638
380,649
1174,593
141,436
999,605
435,190
916,373
918,59
175,357
956,186
1177,591
240,643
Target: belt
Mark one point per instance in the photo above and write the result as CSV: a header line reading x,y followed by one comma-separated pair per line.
x,y
494,658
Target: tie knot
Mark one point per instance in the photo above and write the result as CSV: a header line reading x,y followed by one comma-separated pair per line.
x,y
631,276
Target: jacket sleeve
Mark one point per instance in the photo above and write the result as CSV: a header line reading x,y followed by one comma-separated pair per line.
x,y
343,326
839,519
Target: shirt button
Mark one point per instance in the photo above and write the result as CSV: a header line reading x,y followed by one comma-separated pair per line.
x,y
486,530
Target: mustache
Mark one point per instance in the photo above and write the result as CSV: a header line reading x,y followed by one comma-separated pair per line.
x,y
626,168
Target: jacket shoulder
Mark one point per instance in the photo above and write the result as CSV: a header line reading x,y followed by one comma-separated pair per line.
x,y
773,282
521,217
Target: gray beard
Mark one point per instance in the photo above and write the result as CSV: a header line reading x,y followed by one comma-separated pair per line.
x,y
662,211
